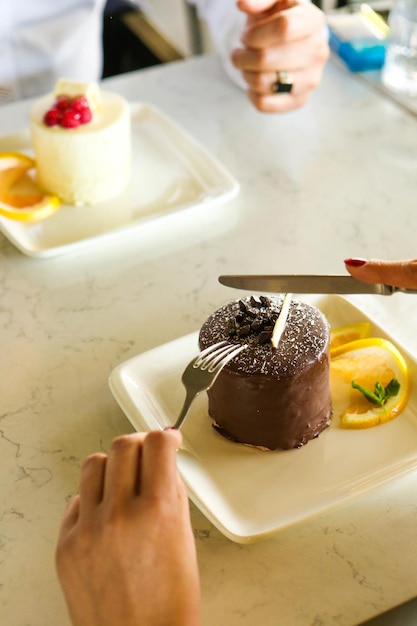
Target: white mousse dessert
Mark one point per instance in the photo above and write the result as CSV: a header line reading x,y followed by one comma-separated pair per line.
x,y
82,142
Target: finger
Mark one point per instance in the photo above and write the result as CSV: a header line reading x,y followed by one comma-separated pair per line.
x,y
262,83
397,273
122,476
283,104
268,60
289,25
159,464
291,56
263,7
71,514
91,483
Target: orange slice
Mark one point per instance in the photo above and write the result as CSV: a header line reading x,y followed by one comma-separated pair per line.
x,y
367,362
20,197
345,334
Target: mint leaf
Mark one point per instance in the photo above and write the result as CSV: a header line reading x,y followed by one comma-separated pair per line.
x,y
392,389
380,395
369,395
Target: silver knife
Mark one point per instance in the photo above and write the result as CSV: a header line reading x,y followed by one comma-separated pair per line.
x,y
307,283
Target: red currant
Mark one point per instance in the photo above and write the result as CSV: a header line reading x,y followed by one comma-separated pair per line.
x,y
79,103
62,103
68,112
85,116
70,119
51,117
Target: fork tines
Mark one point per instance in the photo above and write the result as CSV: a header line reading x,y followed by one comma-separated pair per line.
x,y
212,356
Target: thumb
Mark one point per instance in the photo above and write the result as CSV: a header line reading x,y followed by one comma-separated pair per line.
x,y
397,273
254,7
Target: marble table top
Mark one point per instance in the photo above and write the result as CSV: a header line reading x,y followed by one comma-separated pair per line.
x,y
333,180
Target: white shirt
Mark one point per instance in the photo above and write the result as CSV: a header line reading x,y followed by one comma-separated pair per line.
x,y
226,24
44,40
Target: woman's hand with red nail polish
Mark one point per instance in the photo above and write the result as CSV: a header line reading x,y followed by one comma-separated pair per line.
x,y
355,262
396,273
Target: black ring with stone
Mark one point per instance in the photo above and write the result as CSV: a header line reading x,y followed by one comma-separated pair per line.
x,y
283,83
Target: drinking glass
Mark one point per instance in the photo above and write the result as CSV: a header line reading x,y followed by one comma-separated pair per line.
x,y
400,69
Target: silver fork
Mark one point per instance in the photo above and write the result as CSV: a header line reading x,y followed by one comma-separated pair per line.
x,y
202,371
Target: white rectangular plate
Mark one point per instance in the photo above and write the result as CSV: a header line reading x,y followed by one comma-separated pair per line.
x,y
171,174
250,494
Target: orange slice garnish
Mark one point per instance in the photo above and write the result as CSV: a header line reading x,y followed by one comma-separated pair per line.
x,y
367,362
345,334
20,197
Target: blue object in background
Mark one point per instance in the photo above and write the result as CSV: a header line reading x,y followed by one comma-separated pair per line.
x,y
360,54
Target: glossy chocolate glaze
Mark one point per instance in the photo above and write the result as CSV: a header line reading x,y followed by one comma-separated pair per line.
x,y
271,397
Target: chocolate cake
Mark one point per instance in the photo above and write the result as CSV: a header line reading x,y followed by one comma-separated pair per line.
x,y
270,397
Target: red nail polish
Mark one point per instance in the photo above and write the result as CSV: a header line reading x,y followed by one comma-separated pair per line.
x,y
170,428
355,262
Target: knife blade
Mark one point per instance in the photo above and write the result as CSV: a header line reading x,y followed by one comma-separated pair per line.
x,y
307,283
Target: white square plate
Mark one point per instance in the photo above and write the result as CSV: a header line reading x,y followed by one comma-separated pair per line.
x,y
250,494
171,174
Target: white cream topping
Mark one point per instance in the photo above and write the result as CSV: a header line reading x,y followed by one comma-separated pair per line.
x,y
73,88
